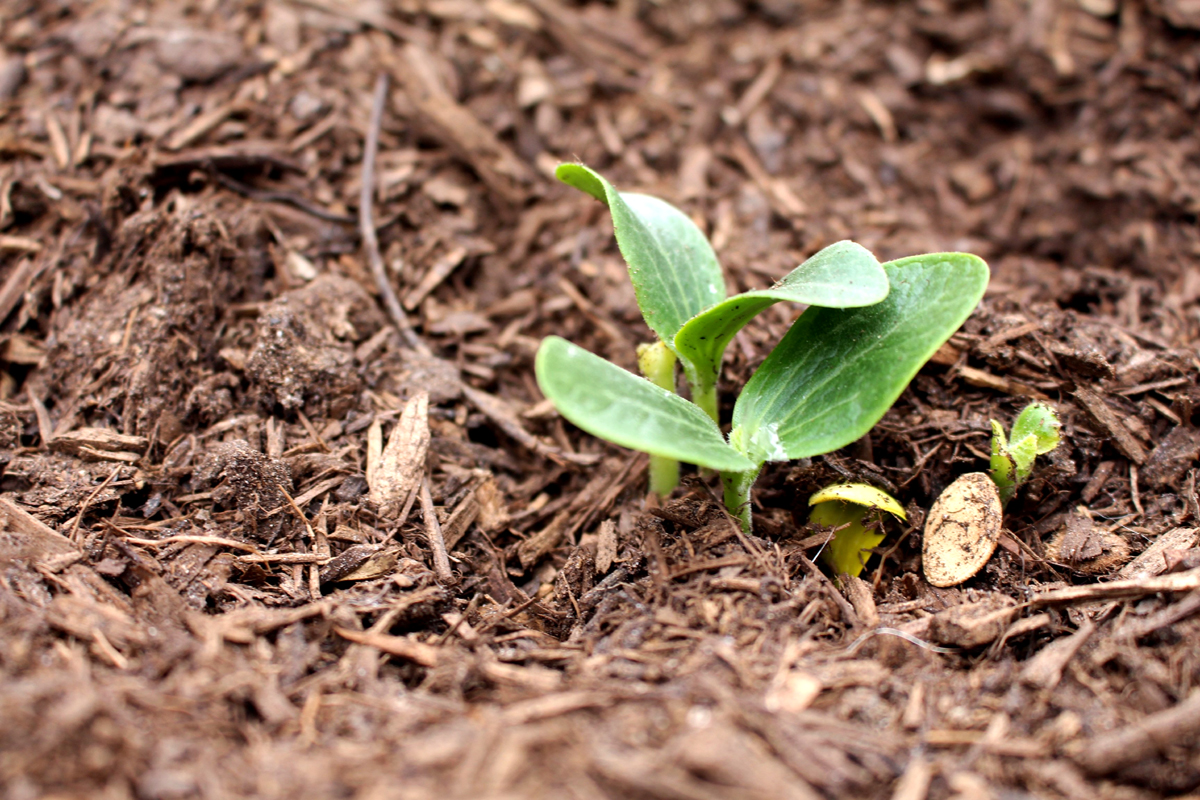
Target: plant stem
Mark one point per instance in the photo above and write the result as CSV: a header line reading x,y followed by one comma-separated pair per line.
x,y
706,398
737,495
704,390
664,475
657,363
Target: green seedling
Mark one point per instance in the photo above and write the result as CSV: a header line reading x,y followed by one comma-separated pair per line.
x,y
680,291
828,381
855,513
1035,432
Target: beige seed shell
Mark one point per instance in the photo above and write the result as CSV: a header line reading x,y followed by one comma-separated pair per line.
x,y
962,530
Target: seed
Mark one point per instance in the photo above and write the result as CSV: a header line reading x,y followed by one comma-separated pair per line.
x,y
962,530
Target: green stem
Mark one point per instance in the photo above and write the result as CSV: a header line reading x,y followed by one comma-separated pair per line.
x,y
657,363
704,390
664,475
737,495
706,398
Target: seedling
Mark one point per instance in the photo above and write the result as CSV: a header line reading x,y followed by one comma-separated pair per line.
x,y
1035,432
828,381
855,513
680,291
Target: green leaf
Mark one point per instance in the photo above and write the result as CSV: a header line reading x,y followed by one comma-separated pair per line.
x,y
674,270
1003,465
837,371
1023,452
1040,421
613,404
843,275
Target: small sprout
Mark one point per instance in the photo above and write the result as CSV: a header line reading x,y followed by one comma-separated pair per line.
x,y
961,531
868,328
1035,433
854,511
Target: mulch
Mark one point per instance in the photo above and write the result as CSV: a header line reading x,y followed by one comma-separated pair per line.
x,y
283,513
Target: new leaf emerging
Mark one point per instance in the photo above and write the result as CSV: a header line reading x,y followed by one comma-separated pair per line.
x,y
853,511
1035,432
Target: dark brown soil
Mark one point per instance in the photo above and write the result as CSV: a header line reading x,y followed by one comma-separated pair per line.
x,y
204,592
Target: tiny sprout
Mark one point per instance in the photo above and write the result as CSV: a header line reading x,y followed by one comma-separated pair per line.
x,y
1035,433
854,511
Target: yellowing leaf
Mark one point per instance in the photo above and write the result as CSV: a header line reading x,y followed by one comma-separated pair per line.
x,y
851,546
860,494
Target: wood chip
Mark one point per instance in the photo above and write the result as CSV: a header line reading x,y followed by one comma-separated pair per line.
x,y
1045,669
1104,416
500,168
972,624
400,646
401,466
20,244
100,444
606,546
986,380
17,283
962,530
1152,561
1142,739
23,535
434,277
1119,590
498,412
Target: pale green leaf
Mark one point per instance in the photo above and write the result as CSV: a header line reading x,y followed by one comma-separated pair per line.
x,y
1040,421
673,268
837,371
1003,466
843,275
1023,452
616,405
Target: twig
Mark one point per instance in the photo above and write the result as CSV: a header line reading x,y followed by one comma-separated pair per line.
x,y
74,535
433,531
366,220
273,196
216,541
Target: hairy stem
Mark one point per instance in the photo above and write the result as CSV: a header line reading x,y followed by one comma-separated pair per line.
x,y
706,398
737,495
657,363
704,390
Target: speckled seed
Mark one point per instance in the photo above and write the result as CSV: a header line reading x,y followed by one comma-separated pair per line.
x,y
962,530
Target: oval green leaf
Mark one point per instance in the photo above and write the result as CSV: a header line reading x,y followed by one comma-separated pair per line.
x,y
843,275
837,371
616,405
673,268
1040,421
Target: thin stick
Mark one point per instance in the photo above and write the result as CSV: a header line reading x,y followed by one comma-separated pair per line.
x,y
366,219
74,535
433,531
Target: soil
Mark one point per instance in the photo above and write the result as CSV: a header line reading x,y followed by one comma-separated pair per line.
x,y
264,536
